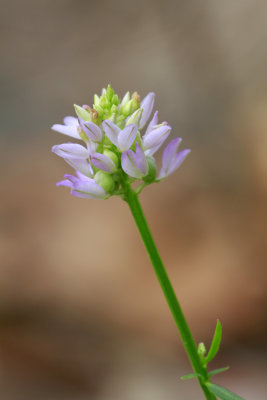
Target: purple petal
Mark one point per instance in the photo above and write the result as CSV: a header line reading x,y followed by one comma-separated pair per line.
x,y
156,136
103,162
111,130
71,178
91,130
81,195
89,188
147,105
64,182
141,161
169,153
152,151
128,164
69,130
152,123
171,160
126,137
71,121
82,177
134,164
70,150
179,158
81,165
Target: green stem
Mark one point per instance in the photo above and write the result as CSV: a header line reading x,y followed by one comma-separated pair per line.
x,y
186,336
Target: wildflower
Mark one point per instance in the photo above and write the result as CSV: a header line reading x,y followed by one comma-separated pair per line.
x,y
84,187
114,152
134,164
70,127
171,159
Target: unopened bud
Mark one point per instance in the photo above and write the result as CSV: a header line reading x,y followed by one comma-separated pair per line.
x,y
129,107
86,107
82,113
93,114
136,96
113,109
135,117
106,181
96,100
109,92
201,349
125,99
112,156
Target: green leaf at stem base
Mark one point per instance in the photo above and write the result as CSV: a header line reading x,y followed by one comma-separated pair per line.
x,y
222,393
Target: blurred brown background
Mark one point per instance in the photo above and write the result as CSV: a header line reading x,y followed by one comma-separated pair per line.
x,y
81,312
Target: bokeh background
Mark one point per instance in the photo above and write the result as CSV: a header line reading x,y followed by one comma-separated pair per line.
x,y
81,312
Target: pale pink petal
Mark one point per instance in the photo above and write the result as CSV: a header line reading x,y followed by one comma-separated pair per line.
x,y
69,130
70,150
140,160
157,135
71,121
127,136
103,162
111,130
89,188
147,105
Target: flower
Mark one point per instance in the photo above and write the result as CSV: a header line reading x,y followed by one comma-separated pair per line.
x,y
134,164
70,127
114,152
84,187
171,158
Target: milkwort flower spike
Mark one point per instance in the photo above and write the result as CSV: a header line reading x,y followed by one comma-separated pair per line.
x,y
112,148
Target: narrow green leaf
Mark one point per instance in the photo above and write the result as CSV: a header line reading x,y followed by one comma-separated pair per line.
x,y
215,344
222,393
217,371
190,376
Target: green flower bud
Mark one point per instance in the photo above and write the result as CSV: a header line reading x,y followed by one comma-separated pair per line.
x,y
96,100
106,181
135,117
104,103
82,113
100,111
109,93
135,104
114,109
125,99
115,100
126,109
201,349
152,170
137,97
112,156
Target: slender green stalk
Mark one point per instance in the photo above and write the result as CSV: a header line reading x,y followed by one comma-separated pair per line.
x,y
186,336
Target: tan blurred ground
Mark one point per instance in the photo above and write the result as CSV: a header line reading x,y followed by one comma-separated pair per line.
x,y
81,313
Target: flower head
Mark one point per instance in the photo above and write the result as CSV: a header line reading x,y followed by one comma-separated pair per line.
x,y
114,152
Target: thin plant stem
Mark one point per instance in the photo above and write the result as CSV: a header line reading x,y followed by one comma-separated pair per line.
x,y
185,333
